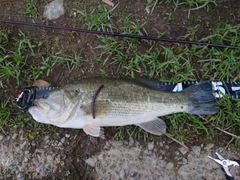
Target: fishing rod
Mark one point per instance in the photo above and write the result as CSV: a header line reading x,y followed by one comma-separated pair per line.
x,y
119,34
28,95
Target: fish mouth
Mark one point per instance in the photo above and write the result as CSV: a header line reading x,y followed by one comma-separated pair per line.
x,y
37,105
41,106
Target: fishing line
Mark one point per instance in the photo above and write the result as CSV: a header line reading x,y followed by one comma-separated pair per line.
x,y
119,34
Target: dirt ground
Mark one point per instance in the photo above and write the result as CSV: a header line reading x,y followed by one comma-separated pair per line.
x,y
66,151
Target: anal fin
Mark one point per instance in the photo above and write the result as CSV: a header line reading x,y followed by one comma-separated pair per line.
x,y
156,126
94,130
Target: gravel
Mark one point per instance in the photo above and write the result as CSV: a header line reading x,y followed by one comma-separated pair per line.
x,y
24,158
129,162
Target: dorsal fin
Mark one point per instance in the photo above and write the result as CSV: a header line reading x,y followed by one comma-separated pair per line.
x,y
151,83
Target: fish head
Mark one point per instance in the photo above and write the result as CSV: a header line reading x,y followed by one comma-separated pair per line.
x,y
57,107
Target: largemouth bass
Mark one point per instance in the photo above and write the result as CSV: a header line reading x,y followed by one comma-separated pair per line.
x,y
91,104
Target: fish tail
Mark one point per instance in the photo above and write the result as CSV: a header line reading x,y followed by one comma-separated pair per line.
x,y
202,99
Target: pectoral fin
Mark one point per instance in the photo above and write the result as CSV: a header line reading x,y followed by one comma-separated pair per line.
x,y
157,126
94,130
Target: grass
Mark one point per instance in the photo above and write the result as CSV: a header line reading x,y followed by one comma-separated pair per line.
x,y
151,4
9,118
166,62
30,8
194,5
98,18
13,61
191,5
5,113
12,119
179,65
228,117
182,125
125,133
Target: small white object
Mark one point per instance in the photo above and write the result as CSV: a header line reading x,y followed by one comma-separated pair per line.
x,y
148,10
54,10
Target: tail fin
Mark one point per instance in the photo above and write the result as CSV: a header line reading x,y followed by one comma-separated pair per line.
x,y
203,100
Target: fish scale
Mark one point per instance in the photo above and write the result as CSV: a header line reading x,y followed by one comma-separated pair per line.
x,y
120,102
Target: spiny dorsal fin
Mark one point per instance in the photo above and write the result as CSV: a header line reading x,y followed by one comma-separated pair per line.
x,y
150,83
